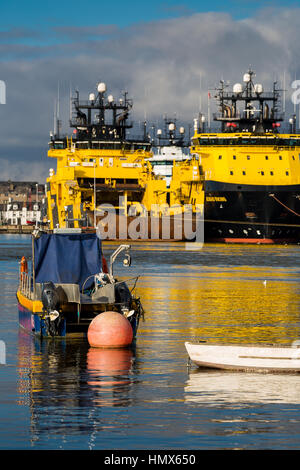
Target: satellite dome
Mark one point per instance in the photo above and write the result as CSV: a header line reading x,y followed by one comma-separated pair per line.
x,y
237,88
258,88
101,87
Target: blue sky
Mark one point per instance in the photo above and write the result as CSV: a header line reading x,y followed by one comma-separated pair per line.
x,y
159,51
41,14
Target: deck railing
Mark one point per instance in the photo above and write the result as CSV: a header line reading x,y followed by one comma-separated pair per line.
x,y
26,285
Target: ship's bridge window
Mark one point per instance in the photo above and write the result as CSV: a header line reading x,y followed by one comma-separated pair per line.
x,y
293,157
266,157
256,141
287,173
59,145
262,173
234,157
83,145
244,172
220,157
218,141
248,157
271,173
231,172
280,157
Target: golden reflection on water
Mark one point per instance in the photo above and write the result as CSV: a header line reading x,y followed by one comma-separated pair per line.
x,y
226,303
225,309
247,297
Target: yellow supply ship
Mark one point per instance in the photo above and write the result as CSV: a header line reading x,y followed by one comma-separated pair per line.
x,y
251,169
102,172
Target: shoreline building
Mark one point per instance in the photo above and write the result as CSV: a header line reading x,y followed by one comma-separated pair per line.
x,y
22,203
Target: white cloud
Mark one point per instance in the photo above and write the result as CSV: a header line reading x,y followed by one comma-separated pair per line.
x,y
159,63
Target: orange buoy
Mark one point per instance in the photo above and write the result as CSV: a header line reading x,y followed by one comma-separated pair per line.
x,y
107,366
110,330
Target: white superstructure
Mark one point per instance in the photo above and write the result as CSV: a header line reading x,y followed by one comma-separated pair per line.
x,y
163,158
165,154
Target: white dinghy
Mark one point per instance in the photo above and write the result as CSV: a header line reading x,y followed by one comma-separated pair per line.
x,y
265,358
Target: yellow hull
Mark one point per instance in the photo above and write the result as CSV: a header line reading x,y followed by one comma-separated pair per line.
x,y
34,306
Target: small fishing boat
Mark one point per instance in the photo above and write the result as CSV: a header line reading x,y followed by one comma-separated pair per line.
x,y
69,284
265,358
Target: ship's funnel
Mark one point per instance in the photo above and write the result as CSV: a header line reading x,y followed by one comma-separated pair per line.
x,y
266,111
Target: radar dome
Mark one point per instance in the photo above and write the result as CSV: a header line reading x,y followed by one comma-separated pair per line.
x,y
181,130
171,126
246,77
92,97
258,88
110,98
101,87
237,88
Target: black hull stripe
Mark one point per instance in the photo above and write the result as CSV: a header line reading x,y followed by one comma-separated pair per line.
x,y
250,224
212,186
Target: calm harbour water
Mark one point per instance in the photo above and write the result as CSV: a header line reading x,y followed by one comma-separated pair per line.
x,y
62,394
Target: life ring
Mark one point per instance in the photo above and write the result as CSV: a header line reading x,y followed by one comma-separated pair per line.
x,y
23,266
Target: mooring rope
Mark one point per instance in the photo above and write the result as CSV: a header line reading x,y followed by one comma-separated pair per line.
x,y
291,210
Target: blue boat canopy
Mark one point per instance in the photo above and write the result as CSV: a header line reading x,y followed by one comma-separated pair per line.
x,y
67,258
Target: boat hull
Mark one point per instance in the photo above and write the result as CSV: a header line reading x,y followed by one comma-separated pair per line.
x,y
232,214
245,358
33,323
30,318
249,214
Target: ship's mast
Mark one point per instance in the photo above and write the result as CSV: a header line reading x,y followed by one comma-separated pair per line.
x,y
259,112
170,135
89,118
